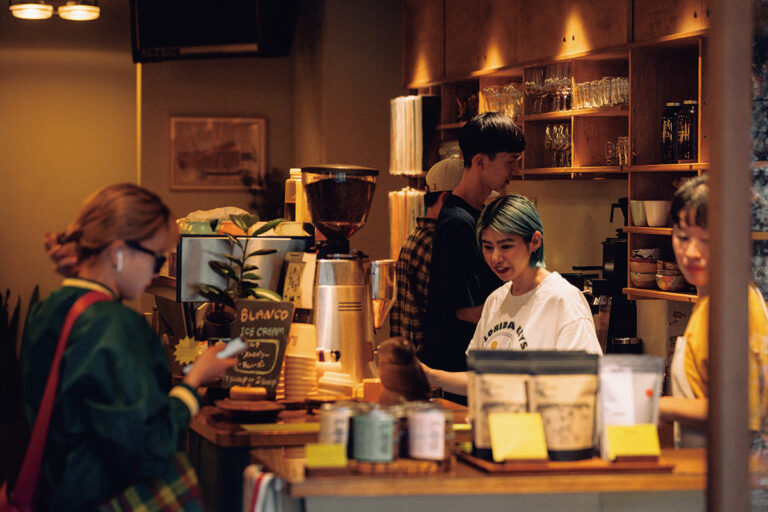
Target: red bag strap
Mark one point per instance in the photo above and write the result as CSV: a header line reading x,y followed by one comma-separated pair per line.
x,y
24,490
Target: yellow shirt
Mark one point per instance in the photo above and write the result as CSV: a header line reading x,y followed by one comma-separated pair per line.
x,y
696,361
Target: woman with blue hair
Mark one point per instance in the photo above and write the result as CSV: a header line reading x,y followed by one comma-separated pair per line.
x,y
534,309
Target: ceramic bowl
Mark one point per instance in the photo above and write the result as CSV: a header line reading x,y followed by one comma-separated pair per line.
x,y
657,212
643,279
666,265
642,266
638,213
648,254
670,283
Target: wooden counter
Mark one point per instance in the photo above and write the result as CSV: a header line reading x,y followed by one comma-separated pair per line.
x,y
221,449
689,473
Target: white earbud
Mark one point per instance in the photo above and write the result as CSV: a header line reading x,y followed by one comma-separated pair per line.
x,y
119,256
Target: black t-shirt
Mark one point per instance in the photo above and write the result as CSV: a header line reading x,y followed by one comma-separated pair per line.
x,y
459,278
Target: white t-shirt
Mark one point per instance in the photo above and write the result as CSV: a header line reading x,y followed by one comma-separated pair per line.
x,y
553,316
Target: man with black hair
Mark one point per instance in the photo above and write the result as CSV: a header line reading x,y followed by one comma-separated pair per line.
x,y
412,270
460,281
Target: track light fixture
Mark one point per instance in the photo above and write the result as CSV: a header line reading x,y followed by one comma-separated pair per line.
x,y
76,10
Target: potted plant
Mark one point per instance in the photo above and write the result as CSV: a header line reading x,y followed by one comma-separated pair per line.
x,y
241,280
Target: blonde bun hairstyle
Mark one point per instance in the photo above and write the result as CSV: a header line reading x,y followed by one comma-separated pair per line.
x,y
117,212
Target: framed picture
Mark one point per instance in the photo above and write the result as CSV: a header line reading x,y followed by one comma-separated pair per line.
x,y
213,153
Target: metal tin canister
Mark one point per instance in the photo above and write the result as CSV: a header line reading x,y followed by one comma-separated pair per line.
x,y
400,432
426,431
373,435
334,423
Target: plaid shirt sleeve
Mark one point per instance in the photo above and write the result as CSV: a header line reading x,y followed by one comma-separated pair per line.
x,y
412,274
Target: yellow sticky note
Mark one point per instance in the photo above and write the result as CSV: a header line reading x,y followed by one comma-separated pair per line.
x,y
641,439
517,435
326,455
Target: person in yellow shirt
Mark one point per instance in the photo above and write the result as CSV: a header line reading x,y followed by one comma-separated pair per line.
x,y
690,364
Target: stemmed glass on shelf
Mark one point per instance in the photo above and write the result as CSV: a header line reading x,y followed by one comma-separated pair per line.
x,y
534,88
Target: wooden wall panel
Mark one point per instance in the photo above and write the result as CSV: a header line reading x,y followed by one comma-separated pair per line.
x,y
653,19
423,42
483,35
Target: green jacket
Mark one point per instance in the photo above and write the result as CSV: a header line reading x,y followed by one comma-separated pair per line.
x,y
113,421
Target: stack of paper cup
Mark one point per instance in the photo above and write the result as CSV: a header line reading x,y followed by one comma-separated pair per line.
x,y
300,362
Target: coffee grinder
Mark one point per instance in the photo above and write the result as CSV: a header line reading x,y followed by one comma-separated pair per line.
x,y
339,198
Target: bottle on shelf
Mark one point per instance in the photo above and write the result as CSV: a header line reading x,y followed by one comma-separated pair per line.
x,y
688,136
669,130
289,208
295,208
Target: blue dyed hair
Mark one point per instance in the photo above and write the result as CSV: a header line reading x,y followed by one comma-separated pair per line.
x,y
513,214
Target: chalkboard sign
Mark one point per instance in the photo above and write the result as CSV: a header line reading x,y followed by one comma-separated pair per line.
x,y
264,325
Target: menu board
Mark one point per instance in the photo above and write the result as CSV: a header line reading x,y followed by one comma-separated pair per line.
x,y
264,325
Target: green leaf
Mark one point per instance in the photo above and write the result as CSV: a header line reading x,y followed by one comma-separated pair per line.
x,y
261,252
234,260
267,226
248,268
210,292
265,293
223,269
250,276
228,300
244,221
234,240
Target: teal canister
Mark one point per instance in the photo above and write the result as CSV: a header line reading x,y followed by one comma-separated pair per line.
x,y
373,435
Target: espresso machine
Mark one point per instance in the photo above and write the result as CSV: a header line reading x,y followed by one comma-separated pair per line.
x,y
339,199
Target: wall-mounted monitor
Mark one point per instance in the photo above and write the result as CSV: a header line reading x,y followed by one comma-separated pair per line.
x,y
196,29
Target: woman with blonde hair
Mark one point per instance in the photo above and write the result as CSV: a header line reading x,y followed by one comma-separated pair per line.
x,y
116,419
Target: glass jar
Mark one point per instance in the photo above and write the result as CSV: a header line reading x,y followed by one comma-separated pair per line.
x,y
669,123
688,131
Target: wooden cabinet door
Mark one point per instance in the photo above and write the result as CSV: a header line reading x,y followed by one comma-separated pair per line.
x,y
655,19
424,42
553,29
481,35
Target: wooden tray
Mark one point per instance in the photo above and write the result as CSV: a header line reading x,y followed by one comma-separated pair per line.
x,y
397,467
593,465
250,411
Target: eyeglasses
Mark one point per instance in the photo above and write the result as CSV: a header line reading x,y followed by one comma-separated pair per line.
x,y
159,258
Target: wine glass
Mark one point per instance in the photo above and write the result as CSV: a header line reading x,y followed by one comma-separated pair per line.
x,y
533,86
548,140
551,87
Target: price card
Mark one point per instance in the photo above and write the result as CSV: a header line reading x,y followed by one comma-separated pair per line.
x,y
299,278
326,455
632,440
517,435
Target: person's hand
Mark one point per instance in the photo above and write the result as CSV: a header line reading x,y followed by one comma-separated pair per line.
x,y
208,367
63,257
400,371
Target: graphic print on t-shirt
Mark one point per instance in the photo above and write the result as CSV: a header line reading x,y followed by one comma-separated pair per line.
x,y
505,335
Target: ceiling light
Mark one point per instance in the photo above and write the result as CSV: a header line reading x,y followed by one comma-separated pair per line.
x,y
79,11
31,10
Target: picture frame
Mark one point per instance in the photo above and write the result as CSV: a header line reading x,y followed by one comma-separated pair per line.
x,y
213,153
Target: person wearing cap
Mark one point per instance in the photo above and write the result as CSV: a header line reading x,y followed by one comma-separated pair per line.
x,y
491,145
413,262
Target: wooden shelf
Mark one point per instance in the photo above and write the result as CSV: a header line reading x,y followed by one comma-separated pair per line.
x,y
598,169
638,230
617,111
686,167
643,230
640,293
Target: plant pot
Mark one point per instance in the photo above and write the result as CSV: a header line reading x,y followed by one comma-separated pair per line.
x,y
217,324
